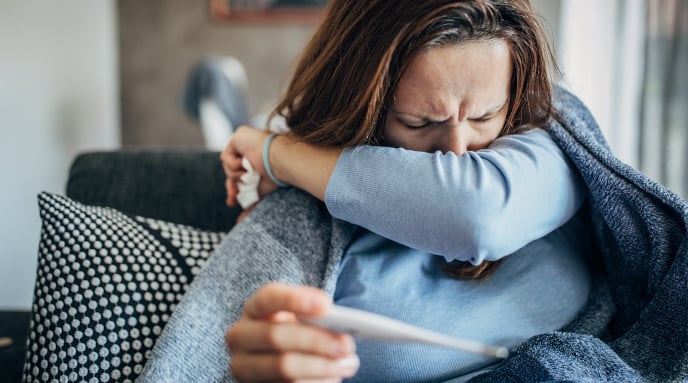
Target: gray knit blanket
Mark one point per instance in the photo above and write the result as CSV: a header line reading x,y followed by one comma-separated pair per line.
x,y
633,329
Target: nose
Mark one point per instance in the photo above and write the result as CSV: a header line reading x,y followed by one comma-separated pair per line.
x,y
453,140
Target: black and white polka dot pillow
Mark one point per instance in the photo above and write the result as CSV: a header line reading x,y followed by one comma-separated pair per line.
x,y
106,285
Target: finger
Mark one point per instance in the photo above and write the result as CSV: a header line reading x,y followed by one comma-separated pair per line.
x,y
263,336
243,214
235,176
228,152
291,366
232,192
274,297
235,162
232,164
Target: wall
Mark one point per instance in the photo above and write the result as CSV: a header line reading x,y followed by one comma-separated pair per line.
x,y
550,10
161,40
58,96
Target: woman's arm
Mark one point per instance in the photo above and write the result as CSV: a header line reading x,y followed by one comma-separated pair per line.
x,y
301,165
304,166
480,205
477,206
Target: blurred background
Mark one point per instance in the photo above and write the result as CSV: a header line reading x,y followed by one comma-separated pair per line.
x,y
89,75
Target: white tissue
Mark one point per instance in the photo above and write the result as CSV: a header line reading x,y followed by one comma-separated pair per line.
x,y
248,185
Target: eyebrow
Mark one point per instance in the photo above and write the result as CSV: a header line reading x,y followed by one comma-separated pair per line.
x,y
492,111
489,112
421,119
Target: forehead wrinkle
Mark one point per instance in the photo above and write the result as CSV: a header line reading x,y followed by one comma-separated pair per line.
x,y
440,107
429,89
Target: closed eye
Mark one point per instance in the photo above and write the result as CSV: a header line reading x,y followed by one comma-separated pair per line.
x,y
416,127
489,115
424,123
482,119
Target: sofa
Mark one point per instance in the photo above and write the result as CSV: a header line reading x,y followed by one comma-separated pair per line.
x,y
184,186
101,296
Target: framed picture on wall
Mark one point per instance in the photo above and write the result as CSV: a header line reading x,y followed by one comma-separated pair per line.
x,y
267,11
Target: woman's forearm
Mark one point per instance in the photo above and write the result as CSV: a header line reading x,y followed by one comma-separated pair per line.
x,y
470,207
301,165
481,205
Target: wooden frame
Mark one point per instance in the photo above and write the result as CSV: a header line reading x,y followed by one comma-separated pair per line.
x,y
222,11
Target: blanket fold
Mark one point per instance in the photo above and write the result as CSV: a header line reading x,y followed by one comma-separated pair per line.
x,y
641,230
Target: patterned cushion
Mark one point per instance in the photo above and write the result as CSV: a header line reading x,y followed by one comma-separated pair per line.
x,y
106,285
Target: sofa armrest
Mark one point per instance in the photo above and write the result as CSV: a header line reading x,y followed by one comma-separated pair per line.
x,y
176,185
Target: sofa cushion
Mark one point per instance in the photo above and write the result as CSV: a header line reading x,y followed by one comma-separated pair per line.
x,y
106,285
183,186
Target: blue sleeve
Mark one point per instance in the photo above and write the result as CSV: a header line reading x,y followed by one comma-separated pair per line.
x,y
479,206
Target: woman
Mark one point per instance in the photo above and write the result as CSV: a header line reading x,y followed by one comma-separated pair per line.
x,y
455,92
319,112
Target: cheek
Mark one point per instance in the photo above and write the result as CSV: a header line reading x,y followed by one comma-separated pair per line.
x,y
394,134
493,128
496,129
484,135
500,122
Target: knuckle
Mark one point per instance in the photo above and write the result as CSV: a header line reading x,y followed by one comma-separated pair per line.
x,y
246,309
231,337
238,369
261,293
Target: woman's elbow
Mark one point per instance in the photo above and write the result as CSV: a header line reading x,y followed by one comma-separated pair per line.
x,y
480,236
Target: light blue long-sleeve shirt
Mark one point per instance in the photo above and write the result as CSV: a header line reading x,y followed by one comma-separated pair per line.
x,y
487,204
479,206
537,289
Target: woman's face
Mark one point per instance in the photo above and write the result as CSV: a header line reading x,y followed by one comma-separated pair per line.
x,y
452,98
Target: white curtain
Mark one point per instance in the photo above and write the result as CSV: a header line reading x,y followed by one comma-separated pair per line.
x,y
600,52
628,61
664,106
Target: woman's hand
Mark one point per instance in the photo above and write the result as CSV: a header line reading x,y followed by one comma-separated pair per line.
x,y
293,162
268,343
245,142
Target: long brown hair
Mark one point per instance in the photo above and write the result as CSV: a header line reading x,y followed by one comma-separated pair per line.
x,y
348,73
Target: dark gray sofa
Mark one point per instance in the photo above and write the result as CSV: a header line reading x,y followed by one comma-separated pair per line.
x,y
184,186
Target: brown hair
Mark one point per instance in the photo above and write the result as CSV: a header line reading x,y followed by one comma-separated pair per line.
x,y
349,71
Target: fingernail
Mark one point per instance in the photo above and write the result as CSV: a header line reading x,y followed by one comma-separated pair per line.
x,y
348,366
